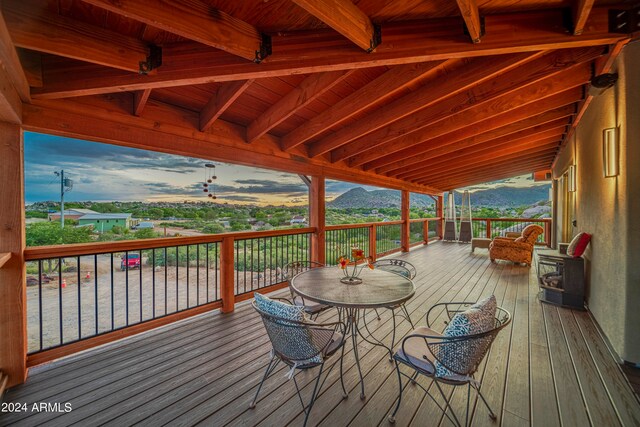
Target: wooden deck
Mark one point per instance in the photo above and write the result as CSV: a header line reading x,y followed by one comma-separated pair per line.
x,y
549,367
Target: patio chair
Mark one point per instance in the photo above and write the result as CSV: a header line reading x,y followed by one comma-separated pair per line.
x,y
402,268
451,360
302,345
518,250
313,309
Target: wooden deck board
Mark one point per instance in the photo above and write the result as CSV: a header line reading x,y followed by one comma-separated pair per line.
x,y
549,365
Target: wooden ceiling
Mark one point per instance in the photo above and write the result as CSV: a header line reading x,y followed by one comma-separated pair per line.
x,y
427,95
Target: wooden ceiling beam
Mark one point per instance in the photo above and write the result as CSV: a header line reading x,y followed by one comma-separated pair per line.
x,y
218,104
301,53
171,130
504,143
311,88
537,148
494,176
388,84
471,16
581,10
435,150
344,17
43,31
602,65
455,76
140,99
533,80
12,69
479,120
196,21
491,173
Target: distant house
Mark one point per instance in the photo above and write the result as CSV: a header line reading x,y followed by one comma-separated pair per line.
x,y
105,222
70,214
298,219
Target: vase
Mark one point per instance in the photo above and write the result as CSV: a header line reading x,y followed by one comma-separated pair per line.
x,y
351,280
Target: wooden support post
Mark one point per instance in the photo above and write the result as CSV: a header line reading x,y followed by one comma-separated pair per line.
x,y
13,295
425,232
373,247
439,214
488,229
406,226
227,274
547,233
317,218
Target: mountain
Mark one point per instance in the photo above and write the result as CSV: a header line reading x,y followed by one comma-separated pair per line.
x,y
496,197
358,197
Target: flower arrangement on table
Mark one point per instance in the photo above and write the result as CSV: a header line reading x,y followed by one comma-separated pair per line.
x,y
352,266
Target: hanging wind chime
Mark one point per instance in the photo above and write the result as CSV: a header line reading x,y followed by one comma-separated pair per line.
x,y
209,184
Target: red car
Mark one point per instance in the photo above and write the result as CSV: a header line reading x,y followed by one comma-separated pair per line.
x,y
130,261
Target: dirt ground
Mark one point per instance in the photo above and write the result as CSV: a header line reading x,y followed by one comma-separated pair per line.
x,y
119,298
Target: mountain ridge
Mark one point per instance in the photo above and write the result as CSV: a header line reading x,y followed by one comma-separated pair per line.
x,y
503,196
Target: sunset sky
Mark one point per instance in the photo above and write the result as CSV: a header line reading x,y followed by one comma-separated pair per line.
x,y
103,172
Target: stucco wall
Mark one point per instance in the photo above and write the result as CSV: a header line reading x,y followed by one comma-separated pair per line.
x,y
609,208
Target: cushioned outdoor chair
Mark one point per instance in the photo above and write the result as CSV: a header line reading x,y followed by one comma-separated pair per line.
x,y
312,308
302,345
403,268
451,360
516,250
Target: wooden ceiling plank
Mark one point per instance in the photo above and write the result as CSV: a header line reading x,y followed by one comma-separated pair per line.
x,y
165,129
445,146
311,88
303,53
193,20
471,16
218,104
533,80
44,31
344,17
388,84
455,76
602,65
140,99
462,132
581,10
505,143
490,173
14,74
461,165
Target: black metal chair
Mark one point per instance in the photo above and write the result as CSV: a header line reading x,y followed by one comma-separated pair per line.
x,y
402,268
313,309
424,348
302,345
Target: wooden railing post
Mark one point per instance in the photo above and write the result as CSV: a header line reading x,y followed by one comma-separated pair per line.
x,y
406,226
373,250
13,290
425,232
439,214
227,274
488,228
317,219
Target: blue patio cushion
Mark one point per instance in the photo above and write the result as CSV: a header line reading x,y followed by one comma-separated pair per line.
x,y
299,337
478,318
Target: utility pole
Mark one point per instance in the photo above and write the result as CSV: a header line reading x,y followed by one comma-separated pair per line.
x,y
65,185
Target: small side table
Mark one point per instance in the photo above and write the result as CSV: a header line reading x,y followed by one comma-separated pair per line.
x,y
480,242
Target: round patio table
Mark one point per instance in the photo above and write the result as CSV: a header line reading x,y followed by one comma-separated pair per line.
x,y
378,289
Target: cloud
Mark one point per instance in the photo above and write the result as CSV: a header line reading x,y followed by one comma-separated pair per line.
x,y
256,186
239,198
